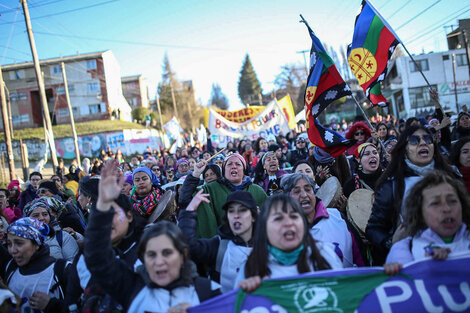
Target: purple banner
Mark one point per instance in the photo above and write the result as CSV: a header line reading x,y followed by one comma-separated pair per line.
x,y
426,286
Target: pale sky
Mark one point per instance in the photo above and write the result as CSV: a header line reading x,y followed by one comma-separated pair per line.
x,y
206,40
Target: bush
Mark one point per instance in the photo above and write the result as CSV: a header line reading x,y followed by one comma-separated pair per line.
x,y
139,113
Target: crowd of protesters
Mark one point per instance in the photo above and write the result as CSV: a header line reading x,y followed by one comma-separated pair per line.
x,y
103,236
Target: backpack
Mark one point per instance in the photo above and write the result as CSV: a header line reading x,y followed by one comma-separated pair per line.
x,y
96,300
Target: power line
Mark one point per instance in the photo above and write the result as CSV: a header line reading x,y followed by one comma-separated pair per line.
x,y
32,5
399,9
414,17
133,42
67,11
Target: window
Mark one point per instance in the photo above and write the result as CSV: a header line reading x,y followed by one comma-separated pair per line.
x,y
75,112
18,96
423,64
91,64
62,112
461,59
445,57
93,87
94,109
16,75
419,97
60,90
56,69
20,118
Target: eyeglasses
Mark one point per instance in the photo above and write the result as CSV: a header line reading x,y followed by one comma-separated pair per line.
x,y
2,196
42,191
155,169
359,134
415,139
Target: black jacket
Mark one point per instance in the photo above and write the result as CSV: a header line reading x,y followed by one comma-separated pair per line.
x,y
204,250
187,190
70,218
27,196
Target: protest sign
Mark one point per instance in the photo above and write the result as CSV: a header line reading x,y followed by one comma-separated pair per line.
x,y
426,286
269,121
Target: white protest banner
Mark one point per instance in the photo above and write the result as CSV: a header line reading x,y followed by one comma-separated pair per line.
x,y
269,121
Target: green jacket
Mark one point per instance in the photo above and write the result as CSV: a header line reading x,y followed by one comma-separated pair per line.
x,y
209,215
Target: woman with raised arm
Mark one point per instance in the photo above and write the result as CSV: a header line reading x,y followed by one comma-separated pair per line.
x,y
171,285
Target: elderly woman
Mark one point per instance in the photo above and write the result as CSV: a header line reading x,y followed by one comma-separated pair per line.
x,y
227,251
283,246
437,217
32,274
182,168
368,172
146,193
325,224
210,214
267,173
62,245
413,157
170,284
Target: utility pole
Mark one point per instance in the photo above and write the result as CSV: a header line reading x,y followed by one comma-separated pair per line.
x,y
6,130
305,59
42,92
69,105
173,99
159,110
455,83
9,111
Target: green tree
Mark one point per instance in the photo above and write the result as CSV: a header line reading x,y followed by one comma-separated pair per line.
x,y
249,87
139,113
218,98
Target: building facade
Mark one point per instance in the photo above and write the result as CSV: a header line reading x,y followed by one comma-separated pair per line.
x,y
447,72
94,84
135,91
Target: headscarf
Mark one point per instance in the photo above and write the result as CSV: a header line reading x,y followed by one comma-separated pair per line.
x,y
361,147
29,228
146,170
36,203
242,159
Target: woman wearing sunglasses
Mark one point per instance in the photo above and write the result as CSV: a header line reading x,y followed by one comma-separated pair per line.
x,y
360,133
413,157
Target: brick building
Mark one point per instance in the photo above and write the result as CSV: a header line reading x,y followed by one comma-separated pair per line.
x,y
94,83
135,91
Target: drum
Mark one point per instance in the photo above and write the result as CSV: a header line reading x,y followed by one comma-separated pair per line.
x,y
330,192
165,207
360,207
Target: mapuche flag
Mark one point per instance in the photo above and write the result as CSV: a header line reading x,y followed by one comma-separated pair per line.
x,y
324,86
373,44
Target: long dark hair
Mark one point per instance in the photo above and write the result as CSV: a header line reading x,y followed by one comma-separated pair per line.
x,y
257,262
179,242
397,166
456,149
414,220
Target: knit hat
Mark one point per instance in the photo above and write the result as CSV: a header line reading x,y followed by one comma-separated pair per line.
x,y
180,161
29,228
146,170
14,183
238,156
55,205
129,179
49,184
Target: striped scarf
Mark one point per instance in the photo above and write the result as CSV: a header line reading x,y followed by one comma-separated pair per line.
x,y
146,205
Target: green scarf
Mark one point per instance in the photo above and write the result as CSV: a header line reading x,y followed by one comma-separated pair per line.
x,y
285,258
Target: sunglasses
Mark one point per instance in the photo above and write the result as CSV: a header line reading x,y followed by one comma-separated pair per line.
x,y
415,139
42,191
359,134
156,169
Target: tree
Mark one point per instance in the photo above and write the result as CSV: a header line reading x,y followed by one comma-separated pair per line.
x,y
291,80
218,98
139,113
249,87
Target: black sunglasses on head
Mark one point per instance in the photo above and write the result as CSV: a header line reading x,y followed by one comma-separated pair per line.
x,y
415,139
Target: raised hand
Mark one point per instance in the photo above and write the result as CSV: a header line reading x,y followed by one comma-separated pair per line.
x,y
392,268
110,185
196,201
199,168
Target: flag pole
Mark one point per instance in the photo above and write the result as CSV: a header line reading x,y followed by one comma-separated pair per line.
x,y
422,74
368,122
